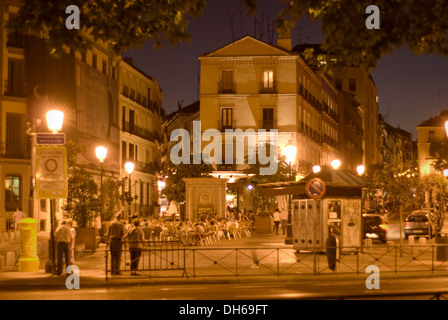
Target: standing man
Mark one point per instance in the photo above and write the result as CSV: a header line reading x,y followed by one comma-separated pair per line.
x,y
331,249
64,239
276,220
284,219
115,237
17,216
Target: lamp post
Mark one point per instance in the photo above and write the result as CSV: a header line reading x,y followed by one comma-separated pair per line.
x,y
289,152
101,153
129,166
55,119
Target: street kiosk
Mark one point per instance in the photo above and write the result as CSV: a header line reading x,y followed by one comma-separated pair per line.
x,y
330,199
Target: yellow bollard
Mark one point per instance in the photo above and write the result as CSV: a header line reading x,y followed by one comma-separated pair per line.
x,y
28,261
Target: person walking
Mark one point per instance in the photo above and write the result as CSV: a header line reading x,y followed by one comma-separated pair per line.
x,y
17,217
135,238
73,243
63,236
284,220
331,250
114,238
276,220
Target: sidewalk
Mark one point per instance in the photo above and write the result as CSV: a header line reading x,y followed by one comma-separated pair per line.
x,y
92,269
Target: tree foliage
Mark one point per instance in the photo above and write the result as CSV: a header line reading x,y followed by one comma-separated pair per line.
x,y
121,24
83,204
438,149
264,204
173,176
421,25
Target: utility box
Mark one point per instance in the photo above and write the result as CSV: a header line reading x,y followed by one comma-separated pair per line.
x,y
313,218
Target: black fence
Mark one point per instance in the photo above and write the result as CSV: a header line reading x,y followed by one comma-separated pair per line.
x,y
163,259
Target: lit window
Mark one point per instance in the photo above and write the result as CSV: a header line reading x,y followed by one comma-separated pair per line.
x,y
13,193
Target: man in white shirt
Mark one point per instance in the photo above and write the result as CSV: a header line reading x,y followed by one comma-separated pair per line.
x,y
17,216
64,237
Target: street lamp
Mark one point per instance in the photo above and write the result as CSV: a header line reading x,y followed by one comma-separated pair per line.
x,y
289,152
335,164
129,166
360,169
101,153
55,119
316,169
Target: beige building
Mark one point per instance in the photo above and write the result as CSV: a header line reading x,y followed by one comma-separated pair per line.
x,y
15,150
360,83
140,103
249,84
430,131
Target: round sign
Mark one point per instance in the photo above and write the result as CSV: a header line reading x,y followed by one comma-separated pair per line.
x,y
315,188
51,165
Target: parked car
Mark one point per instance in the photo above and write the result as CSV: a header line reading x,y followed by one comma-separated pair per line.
x,y
420,223
374,227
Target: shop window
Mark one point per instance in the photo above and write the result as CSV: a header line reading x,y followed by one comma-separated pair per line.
x,y
13,193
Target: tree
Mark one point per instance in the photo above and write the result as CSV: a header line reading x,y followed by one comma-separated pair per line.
x,y
173,176
83,204
421,25
112,202
267,203
121,24
438,149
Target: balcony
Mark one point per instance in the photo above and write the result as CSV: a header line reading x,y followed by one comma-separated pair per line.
x,y
226,88
267,124
14,150
15,89
140,132
268,88
229,125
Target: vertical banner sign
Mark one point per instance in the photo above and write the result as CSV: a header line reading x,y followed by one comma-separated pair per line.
x,y
51,172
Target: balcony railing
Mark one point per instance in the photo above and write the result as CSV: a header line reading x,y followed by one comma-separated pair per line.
x,y
267,124
228,125
14,151
15,89
139,131
268,88
226,88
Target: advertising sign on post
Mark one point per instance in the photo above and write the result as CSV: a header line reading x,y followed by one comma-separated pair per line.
x,y
51,172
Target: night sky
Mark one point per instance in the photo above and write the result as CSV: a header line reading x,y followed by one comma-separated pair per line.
x,y
411,89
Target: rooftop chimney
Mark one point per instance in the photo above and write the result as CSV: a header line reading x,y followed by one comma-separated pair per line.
x,y
284,36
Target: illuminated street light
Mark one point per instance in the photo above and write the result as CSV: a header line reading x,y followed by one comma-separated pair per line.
x,y
289,151
336,164
445,172
101,153
316,169
446,127
361,169
55,118
129,166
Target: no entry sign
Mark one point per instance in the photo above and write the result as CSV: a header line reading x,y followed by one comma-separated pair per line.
x,y
51,172
315,188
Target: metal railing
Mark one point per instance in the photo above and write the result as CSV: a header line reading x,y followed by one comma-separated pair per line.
x,y
214,261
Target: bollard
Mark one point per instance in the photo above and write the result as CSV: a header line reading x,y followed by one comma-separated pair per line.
x,y
10,258
422,241
28,261
2,262
368,243
411,240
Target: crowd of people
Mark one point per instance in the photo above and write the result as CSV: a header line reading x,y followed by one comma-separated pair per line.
x,y
139,232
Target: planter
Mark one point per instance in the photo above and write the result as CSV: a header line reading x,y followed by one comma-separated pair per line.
x,y
264,224
88,237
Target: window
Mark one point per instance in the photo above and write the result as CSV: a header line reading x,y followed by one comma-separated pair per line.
x,y
268,79
83,57
94,61
227,117
338,84
124,148
227,82
43,205
352,84
16,78
15,139
104,66
268,118
431,136
131,120
131,151
13,193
